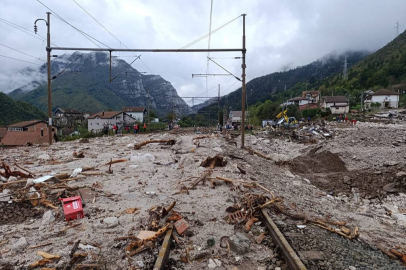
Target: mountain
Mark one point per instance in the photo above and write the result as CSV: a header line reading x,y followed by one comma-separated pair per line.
x,y
12,111
385,67
271,86
82,83
204,104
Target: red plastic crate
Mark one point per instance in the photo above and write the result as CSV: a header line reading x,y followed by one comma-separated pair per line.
x,y
72,208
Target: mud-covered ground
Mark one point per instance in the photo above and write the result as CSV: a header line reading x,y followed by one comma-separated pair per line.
x,y
309,178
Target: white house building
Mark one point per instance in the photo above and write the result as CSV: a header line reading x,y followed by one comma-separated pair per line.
x,y
337,104
387,98
138,113
98,121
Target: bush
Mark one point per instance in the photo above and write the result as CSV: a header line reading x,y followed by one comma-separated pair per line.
x,y
311,112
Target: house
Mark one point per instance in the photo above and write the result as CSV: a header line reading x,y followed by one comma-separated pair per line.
x,y
35,132
235,116
308,100
138,113
3,131
387,98
98,121
337,104
67,117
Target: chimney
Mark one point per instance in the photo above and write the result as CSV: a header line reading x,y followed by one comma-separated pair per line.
x,y
102,113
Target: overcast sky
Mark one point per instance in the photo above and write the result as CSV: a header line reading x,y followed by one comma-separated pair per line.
x,y
279,33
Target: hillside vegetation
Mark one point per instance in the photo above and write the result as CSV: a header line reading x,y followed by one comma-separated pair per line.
x,y
12,111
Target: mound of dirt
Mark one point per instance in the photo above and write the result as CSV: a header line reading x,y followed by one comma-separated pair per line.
x,y
16,213
323,162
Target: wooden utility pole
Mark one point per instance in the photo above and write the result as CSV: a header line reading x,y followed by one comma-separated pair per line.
x,y
49,78
243,66
243,83
149,115
218,106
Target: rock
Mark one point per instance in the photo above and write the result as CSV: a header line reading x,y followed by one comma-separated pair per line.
x,y
289,174
20,244
30,182
391,188
140,263
110,222
84,140
3,179
400,174
47,218
3,197
352,267
218,149
266,141
12,178
239,243
347,179
130,145
44,157
306,180
214,263
139,158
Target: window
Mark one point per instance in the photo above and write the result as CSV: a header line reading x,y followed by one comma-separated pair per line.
x,y
42,132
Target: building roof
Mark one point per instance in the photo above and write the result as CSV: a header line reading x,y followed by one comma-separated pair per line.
x,y
335,99
70,111
134,109
14,138
26,123
296,98
104,115
339,106
384,92
312,93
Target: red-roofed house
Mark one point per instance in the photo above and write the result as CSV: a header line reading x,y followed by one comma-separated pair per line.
x,y
35,132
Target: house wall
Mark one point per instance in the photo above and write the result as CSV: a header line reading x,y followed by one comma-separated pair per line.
x,y
393,100
97,124
139,116
303,102
340,110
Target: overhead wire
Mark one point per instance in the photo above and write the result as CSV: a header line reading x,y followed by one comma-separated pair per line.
x,y
22,52
20,60
89,37
212,32
208,45
26,31
88,13
56,76
138,57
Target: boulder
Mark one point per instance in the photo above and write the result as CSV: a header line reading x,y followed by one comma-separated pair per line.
x,y
20,244
47,218
44,157
110,222
12,178
239,243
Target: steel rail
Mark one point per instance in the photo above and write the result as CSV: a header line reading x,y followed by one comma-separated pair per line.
x,y
164,251
288,253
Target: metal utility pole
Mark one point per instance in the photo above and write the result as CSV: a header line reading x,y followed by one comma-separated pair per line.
x,y
48,23
243,83
243,66
397,28
218,106
149,114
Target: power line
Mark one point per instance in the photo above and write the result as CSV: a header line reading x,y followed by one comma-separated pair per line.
x,y
138,57
20,60
212,32
208,44
22,52
96,21
56,76
9,24
109,32
25,30
77,29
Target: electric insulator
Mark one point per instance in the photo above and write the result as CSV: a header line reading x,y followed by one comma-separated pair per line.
x,y
35,29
